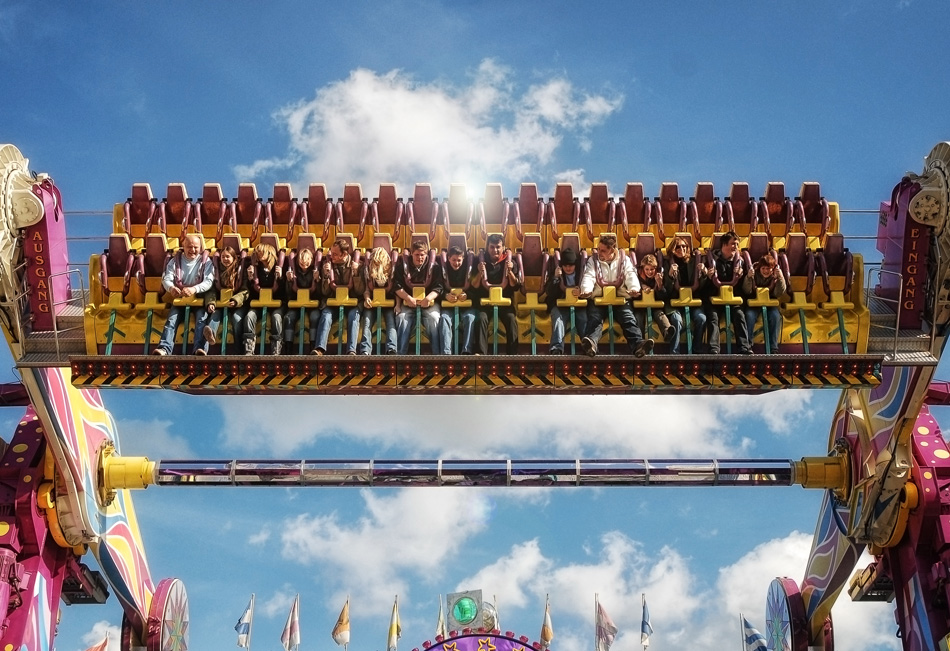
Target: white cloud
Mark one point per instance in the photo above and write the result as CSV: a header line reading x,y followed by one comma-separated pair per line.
x,y
259,538
409,532
100,630
683,612
278,605
389,127
154,439
461,426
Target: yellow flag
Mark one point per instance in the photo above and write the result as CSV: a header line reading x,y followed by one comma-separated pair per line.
x,y
341,632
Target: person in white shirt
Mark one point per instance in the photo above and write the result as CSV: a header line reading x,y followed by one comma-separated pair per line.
x,y
188,273
611,267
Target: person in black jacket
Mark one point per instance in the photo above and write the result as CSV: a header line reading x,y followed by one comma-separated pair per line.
x,y
496,268
565,280
728,269
418,271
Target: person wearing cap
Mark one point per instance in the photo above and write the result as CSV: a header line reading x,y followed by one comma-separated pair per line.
x,y
611,267
565,280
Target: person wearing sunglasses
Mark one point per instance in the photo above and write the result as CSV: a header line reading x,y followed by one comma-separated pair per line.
x,y
681,268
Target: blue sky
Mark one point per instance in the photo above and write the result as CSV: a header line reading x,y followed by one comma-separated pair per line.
x,y
850,94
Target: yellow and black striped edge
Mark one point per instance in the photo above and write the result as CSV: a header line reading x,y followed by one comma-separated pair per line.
x,y
491,374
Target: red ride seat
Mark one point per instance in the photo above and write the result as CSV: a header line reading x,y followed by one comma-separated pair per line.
x,y
739,212
775,213
281,215
669,213
211,215
812,213
704,215
246,214
139,216
176,209
599,211
634,212
388,214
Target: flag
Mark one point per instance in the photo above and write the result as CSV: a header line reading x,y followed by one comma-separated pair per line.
x,y
547,631
102,646
645,629
290,638
341,632
395,628
440,627
243,627
606,630
752,640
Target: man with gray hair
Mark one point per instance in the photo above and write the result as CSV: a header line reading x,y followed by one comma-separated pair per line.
x,y
187,273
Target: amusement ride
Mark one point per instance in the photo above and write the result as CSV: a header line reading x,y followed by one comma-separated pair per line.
x,y
875,333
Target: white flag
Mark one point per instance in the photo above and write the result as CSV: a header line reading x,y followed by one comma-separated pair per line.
x,y
243,627
395,629
606,630
290,638
440,626
547,631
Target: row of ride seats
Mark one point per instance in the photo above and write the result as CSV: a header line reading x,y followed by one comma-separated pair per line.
x,y
774,216
122,263
832,264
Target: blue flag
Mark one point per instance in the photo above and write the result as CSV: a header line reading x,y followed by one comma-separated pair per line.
x,y
243,627
646,630
751,638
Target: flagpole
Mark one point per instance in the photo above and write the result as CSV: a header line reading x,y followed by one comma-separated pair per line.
x,y
250,624
596,601
643,603
741,634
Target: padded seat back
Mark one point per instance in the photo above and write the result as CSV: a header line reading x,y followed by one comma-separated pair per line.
x,y
282,211
389,214
176,211
646,245
383,240
318,212
634,214
497,211
835,263
532,261
246,213
211,213
798,264
459,213
775,210
353,210
153,262
669,213
758,246
812,213
599,211
139,213
739,211
565,211
704,215
532,213
423,211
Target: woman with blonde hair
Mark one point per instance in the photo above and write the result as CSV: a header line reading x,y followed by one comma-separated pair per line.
x,y
302,273
378,274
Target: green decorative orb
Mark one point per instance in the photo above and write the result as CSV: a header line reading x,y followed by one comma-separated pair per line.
x,y
465,610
